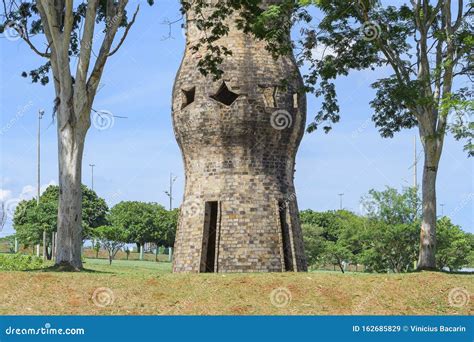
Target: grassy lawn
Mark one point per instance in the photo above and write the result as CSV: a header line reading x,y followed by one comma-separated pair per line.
x,y
145,287
128,267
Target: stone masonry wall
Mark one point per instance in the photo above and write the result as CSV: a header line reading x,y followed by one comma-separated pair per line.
x,y
239,137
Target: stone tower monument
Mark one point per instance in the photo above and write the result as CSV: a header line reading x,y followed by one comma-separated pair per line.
x,y
239,137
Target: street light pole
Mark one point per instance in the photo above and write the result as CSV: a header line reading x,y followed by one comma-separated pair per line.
x,y
92,172
340,201
38,165
170,192
38,185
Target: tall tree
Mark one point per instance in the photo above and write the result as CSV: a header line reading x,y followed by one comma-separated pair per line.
x,y
136,218
30,219
164,229
69,35
454,246
332,236
390,236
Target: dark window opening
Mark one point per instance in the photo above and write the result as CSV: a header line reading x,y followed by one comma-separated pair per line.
x,y
285,234
188,97
208,256
225,95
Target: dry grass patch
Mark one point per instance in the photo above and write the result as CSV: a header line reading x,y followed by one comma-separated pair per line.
x,y
139,288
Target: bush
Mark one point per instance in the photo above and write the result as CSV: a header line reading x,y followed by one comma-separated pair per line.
x,y
19,262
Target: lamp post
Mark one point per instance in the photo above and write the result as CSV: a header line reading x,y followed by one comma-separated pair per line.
x,y
92,176
38,185
340,200
170,192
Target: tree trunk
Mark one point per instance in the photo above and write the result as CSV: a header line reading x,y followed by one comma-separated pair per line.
x,y
69,236
110,259
339,263
426,260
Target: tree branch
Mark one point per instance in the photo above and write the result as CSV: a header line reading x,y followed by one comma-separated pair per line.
x,y
85,55
435,13
47,8
68,23
49,37
115,12
125,33
460,16
25,37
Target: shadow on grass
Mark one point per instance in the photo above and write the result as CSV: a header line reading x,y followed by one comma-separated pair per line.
x,y
459,272
63,269
445,271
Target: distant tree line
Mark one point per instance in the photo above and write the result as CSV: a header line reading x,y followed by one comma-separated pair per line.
x,y
385,239
126,222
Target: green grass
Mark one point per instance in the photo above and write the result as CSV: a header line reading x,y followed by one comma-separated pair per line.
x,y
128,267
149,288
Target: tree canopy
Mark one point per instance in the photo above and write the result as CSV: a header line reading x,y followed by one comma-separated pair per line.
x,y
31,219
145,222
112,239
332,237
454,245
385,239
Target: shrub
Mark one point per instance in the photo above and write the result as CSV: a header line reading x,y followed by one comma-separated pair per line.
x,y
19,262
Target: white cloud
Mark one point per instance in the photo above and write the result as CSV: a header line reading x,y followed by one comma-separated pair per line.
x,y
5,194
27,192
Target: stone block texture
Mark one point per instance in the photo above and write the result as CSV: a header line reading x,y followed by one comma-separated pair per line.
x,y
239,136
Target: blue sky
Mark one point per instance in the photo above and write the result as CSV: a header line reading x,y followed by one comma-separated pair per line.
x,y
134,156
